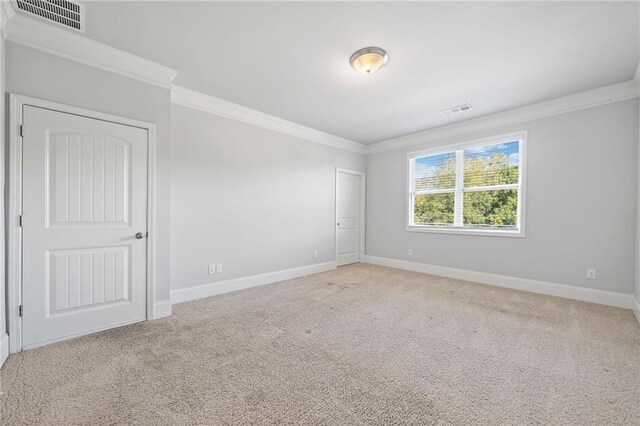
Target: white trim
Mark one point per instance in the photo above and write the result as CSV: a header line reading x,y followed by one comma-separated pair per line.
x,y
519,232
636,309
470,144
6,12
180,295
458,197
603,297
162,309
363,209
48,38
488,232
4,348
588,99
202,102
14,232
66,44
151,224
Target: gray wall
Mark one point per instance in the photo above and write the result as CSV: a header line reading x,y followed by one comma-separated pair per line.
x,y
250,198
3,155
636,283
41,75
260,201
581,204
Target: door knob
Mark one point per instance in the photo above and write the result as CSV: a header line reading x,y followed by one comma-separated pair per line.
x,y
338,223
139,235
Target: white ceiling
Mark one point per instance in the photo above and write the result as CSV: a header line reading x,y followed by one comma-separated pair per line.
x,y
291,59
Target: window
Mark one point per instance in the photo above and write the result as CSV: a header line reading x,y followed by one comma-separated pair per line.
x,y
475,188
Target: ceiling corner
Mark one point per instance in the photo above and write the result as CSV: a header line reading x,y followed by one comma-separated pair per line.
x,y
6,12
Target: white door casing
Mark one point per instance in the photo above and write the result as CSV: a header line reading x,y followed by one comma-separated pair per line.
x,y
349,216
84,197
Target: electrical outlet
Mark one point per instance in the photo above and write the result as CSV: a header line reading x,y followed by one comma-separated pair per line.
x,y
410,252
591,274
315,254
218,268
212,269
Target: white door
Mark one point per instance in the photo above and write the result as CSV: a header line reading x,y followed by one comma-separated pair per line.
x,y
84,199
348,217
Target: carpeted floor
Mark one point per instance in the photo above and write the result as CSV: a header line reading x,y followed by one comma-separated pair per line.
x,y
361,345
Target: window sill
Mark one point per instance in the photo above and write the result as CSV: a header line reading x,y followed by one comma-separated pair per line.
x,y
481,232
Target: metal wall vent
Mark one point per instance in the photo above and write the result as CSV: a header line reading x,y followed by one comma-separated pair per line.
x,y
69,14
456,109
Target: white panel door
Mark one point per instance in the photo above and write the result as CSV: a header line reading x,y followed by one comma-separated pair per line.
x,y
84,199
348,218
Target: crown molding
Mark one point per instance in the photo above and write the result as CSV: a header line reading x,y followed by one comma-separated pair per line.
x,y
582,100
200,101
6,13
47,38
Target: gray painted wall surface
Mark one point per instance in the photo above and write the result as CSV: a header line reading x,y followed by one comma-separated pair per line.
x,y
581,204
250,198
3,138
259,201
40,75
636,284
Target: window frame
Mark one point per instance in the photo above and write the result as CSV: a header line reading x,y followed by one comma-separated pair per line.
x,y
518,232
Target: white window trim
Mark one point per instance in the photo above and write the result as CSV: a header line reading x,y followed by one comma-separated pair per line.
x,y
519,232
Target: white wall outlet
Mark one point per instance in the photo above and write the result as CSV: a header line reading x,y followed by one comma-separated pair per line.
x,y
410,252
212,269
315,254
591,274
218,268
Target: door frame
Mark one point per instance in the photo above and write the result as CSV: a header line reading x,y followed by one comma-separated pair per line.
x,y
14,209
363,193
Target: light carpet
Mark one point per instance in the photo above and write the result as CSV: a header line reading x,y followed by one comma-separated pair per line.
x,y
360,345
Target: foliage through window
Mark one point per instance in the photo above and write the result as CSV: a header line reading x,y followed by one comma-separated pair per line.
x,y
472,188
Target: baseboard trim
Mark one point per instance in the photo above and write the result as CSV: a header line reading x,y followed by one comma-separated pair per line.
x,y
636,309
211,289
603,297
161,309
4,348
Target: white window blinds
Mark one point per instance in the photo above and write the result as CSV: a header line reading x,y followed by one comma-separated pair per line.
x,y
476,187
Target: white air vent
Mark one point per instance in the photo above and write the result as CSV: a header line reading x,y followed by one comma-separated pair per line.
x,y
66,13
456,109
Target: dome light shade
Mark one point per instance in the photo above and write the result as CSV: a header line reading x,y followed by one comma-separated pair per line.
x,y
369,59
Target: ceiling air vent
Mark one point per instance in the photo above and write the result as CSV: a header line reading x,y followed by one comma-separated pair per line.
x,y
456,109
66,13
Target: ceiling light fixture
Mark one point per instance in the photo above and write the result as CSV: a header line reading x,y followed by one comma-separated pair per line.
x,y
369,59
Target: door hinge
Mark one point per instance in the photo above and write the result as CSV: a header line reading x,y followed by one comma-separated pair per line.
x,y
20,310
21,131
20,221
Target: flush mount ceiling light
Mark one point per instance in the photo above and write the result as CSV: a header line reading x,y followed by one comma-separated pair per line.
x,y
369,59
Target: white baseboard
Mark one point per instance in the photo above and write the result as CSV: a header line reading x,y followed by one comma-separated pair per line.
x,y
4,348
205,290
584,294
161,309
636,309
